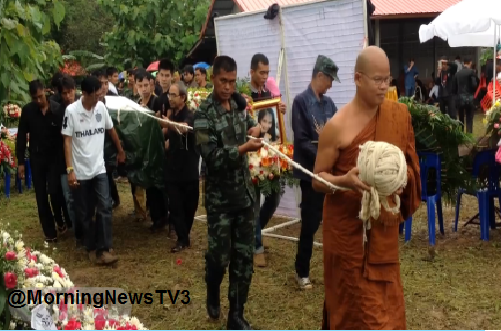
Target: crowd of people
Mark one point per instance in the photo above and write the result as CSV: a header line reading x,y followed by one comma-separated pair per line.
x,y
83,191
455,87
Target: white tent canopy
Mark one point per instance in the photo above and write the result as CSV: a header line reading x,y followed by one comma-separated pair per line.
x,y
469,23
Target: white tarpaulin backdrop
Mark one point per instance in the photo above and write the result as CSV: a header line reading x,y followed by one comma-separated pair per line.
x,y
331,28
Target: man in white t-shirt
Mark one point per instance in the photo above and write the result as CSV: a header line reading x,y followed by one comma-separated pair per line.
x,y
84,126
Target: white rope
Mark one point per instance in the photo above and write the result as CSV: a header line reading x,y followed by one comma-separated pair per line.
x,y
299,167
178,125
382,167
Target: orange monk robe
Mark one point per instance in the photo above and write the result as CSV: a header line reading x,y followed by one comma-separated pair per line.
x,y
363,289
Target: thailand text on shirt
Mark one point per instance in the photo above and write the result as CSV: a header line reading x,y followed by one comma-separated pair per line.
x,y
87,129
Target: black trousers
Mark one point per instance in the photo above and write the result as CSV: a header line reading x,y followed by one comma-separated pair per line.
x,y
466,110
183,198
113,186
46,174
155,202
312,203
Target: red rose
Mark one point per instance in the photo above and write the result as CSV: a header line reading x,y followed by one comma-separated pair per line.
x,y
58,270
99,323
73,325
10,256
28,273
34,258
255,180
113,323
251,166
10,280
179,261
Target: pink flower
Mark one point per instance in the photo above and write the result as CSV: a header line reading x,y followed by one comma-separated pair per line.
x,y
10,256
10,280
496,125
33,258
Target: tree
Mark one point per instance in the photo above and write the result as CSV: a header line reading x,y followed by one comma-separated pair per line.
x,y
24,54
83,27
146,30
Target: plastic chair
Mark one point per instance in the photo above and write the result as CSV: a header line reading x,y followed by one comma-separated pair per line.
x,y
428,161
27,177
486,210
7,183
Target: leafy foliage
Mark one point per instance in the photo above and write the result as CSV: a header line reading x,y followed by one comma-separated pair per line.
x,y
25,54
146,30
493,118
438,133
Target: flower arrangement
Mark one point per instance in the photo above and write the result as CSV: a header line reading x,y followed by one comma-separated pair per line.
x,y
196,96
493,121
12,111
269,171
23,268
6,158
435,132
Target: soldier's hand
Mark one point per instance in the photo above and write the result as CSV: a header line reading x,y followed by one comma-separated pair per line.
x,y
254,145
255,131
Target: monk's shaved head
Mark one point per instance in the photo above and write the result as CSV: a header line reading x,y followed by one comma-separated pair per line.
x,y
372,75
367,56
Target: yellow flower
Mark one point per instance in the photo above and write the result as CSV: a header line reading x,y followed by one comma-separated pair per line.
x,y
497,104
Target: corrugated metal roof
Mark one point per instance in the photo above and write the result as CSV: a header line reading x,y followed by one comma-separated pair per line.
x,y
407,7
253,5
383,7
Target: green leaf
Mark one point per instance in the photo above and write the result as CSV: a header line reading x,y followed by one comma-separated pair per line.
x,y
158,37
46,27
20,30
58,12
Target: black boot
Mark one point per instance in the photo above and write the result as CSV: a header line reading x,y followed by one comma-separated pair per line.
x,y
236,320
213,302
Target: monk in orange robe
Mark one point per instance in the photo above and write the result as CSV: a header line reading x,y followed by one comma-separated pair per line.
x,y
363,289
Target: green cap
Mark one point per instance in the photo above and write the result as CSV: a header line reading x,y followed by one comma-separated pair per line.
x,y
327,66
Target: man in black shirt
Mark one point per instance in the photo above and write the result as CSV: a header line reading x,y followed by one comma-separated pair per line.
x,y
260,70
38,119
56,79
142,81
67,93
464,86
165,72
111,165
181,171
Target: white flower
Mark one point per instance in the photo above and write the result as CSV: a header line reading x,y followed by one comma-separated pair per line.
x,y
56,284
19,245
39,285
135,321
37,253
31,264
46,260
12,325
5,236
55,276
88,326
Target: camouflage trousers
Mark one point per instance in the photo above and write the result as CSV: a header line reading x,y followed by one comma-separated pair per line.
x,y
231,242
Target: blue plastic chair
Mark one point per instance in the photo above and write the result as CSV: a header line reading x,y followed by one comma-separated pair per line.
x,y
7,183
486,211
27,176
428,161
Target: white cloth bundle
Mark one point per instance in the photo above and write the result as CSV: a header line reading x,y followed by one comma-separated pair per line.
x,y
383,167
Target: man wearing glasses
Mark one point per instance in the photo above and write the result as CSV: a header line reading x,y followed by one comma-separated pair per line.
x,y
310,111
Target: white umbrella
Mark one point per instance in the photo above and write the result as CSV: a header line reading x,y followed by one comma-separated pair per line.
x,y
468,23
469,17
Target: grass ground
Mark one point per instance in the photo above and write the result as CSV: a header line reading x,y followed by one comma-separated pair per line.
x,y
459,290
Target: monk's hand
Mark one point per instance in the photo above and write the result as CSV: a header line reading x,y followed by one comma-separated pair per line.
x,y
399,191
353,182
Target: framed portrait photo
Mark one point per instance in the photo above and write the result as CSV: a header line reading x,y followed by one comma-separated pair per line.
x,y
270,119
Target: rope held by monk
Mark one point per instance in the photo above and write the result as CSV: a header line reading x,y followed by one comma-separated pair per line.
x,y
382,167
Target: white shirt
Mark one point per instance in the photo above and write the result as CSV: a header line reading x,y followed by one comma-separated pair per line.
x,y
87,129
434,91
112,88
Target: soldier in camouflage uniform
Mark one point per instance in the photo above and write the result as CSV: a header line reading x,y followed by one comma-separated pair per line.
x,y
220,129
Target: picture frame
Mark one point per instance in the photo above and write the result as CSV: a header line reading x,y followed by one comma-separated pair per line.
x,y
267,114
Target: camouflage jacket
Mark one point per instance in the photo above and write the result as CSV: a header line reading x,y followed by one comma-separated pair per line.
x,y
129,93
218,133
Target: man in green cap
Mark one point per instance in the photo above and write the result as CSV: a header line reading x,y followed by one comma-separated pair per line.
x,y
311,109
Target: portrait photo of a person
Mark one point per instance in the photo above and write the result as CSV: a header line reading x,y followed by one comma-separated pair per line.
x,y
267,121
